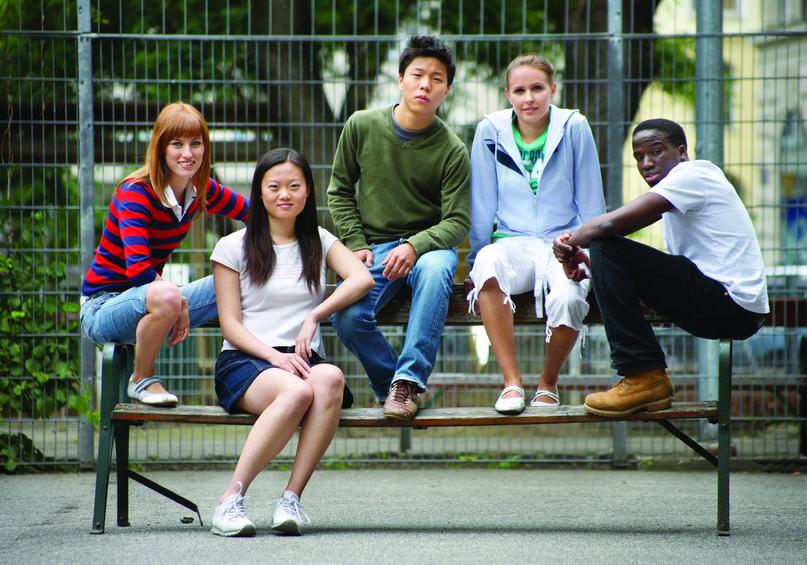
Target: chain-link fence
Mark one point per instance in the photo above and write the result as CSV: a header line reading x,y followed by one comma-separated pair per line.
x,y
83,82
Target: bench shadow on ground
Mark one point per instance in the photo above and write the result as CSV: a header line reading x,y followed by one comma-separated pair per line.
x,y
480,529
475,529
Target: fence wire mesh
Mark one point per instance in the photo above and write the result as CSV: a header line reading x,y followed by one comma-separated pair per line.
x,y
266,74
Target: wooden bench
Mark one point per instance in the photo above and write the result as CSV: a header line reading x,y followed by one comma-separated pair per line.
x,y
117,415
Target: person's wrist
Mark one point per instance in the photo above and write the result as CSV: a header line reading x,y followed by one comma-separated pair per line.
x,y
271,356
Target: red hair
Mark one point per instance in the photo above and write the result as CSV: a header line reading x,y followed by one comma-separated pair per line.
x,y
175,120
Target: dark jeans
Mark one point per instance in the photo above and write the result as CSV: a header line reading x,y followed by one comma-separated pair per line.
x,y
625,272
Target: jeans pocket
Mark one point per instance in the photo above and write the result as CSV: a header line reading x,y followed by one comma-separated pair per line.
x,y
89,310
226,359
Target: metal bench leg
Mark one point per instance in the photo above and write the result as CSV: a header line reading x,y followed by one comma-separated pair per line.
x,y
122,466
114,367
723,437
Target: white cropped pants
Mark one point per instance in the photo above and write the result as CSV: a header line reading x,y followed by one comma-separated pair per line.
x,y
522,263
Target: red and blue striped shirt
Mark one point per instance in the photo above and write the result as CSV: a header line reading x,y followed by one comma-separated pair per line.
x,y
141,233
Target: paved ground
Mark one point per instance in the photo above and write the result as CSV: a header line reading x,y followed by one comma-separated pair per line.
x,y
422,515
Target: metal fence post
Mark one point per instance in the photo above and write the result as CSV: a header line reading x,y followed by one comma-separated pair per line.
x,y
86,203
616,132
709,118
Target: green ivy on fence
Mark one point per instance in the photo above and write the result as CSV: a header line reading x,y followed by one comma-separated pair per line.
x,y
39,329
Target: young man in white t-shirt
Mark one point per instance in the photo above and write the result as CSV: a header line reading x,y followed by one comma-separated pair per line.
x,y
712,283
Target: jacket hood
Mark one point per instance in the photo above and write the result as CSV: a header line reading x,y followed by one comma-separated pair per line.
x,y
502,122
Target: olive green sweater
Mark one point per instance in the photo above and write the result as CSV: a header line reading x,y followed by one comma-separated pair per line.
x,y
383,189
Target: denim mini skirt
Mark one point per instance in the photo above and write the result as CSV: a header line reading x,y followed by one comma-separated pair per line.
x,y
235,372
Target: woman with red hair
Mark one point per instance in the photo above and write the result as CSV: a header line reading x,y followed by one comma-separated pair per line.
x,y
124,297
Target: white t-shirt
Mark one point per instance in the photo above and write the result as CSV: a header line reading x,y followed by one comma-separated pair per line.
x,y
275,311
710,226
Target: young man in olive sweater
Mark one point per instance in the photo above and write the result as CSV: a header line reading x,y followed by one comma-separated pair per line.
x,y
404,220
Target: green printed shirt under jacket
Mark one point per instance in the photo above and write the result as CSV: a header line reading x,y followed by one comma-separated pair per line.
x,y
531,153
383,189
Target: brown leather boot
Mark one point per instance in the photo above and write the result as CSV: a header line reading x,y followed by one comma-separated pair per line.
x,y
650,390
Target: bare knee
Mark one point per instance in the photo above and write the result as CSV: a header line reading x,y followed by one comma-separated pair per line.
x,y
492,298
491,286
164,300
302,396
327,382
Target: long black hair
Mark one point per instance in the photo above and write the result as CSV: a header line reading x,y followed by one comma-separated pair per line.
x,y
258,251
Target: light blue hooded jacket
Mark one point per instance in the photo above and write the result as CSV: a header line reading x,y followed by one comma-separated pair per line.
x,y
569,181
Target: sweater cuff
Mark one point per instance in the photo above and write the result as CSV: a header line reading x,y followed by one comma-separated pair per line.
x,y
421,245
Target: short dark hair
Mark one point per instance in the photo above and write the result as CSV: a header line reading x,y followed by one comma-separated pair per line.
x,y
427,46
671,130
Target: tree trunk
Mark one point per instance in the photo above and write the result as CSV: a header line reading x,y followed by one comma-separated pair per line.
x,y
585,76
299,114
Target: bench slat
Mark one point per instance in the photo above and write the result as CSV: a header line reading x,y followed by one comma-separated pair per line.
x,y
428,417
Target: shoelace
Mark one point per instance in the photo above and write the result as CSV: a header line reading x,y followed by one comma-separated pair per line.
x,y
294,508
235,506
401,392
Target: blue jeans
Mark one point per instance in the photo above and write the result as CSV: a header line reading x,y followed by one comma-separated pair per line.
x,y
431,280
113,316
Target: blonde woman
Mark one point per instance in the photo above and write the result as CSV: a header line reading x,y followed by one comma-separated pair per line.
x,y
534,175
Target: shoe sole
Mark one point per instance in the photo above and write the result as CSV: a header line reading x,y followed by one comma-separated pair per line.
x,y
159,404
245,532
287,528
654,406
168,404
510,411
399,416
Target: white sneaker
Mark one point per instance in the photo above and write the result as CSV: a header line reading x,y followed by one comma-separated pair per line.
x,y
230,519
288,516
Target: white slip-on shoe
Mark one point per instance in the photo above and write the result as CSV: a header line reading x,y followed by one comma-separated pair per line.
x,y
535,402
514,405
137,391
288,516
